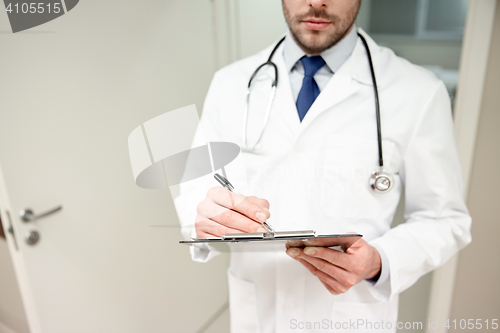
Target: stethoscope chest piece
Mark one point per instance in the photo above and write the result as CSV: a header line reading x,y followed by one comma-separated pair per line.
x,y
381,181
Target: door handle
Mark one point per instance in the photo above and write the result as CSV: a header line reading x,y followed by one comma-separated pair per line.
x,y
27,215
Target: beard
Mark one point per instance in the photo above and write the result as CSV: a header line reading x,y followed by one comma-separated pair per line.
x,y
313,41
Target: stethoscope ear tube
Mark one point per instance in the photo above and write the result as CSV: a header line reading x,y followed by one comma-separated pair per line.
x,y
267,63
266,118
377,102
274,85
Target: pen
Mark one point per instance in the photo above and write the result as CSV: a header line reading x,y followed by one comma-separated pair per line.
x,y
225,183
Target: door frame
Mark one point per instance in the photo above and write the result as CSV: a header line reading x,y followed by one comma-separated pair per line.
x,y
14,242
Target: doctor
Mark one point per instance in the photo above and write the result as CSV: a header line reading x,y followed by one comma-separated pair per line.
x,y
311,166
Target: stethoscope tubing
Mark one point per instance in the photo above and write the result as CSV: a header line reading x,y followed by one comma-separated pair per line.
x,y
377,176
266,118
377,102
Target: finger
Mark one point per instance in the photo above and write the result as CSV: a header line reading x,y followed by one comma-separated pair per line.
x,y
294,243
327,281
210,207
262,203
204,235
213,229
259,202
344,278
336,272
345,241
307,265
254,208
330,289
244,205
334,257
235,220
207,210
321,268
332,283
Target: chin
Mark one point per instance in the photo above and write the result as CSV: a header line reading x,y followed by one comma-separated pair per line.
x,y
315,44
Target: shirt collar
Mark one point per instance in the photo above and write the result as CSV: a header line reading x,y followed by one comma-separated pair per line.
x,y
334,57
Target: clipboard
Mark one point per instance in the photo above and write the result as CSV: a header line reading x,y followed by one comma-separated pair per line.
x,y
261,240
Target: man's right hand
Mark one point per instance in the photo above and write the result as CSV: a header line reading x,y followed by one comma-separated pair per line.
x,y
224,212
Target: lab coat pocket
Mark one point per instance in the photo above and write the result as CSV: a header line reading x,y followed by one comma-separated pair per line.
x,y
243,305
364,317
347,166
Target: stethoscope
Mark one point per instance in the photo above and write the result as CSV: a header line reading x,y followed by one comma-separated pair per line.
x,y
380,181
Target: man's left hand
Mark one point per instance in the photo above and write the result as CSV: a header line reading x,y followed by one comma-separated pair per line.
x,y
337,270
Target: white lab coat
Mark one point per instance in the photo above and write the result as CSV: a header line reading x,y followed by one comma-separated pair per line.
x,y
315,176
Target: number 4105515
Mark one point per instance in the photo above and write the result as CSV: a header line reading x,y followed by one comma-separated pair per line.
x,y
34,8
472,324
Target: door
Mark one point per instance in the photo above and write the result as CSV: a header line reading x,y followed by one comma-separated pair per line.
x,y
71,91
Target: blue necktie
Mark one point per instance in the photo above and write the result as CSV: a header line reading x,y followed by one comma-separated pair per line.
x,y
310,89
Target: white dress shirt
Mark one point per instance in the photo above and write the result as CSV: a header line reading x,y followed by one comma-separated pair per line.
x,y
334,57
